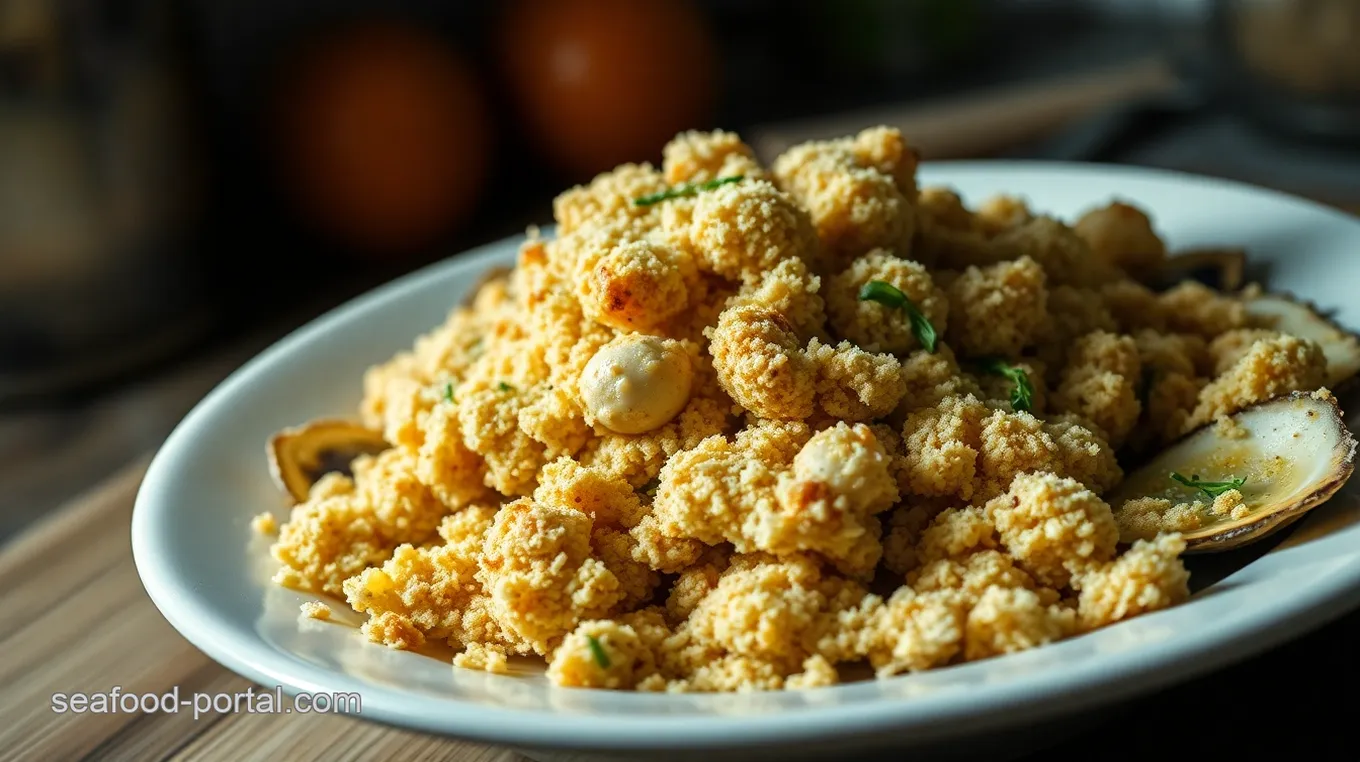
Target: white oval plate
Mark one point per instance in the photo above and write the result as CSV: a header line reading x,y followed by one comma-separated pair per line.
x,y
209,577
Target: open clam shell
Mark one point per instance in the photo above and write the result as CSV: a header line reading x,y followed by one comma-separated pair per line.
x,y
301,455
1220,269
1285,314
1293,453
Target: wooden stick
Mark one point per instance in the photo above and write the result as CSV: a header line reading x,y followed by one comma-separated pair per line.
x,y
979,123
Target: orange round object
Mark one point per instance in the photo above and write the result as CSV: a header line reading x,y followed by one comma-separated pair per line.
x,y
603,82
383,136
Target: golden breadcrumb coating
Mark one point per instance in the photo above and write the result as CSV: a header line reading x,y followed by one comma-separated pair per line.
x,y
997,310
742,230
854,385
601,654
1271,367
1183,353
1054,527
794,292
1009,619
698,157
876,327
1192,307
1101,350
855,205
264,523
637,458
1072,312
637,285
761,364
609,196
1148,577
825,502
347,525
1065,258
1121,235
976,573
774,443
1100,383
1146,517
444,464
1230,346
948,235
484,657
1133,306
671,449
1171,401
317,610
955,534
902,536
918,631
1001,212
933,376
540,574
962,449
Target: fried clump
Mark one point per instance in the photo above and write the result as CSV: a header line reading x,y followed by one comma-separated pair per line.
x,y
797,479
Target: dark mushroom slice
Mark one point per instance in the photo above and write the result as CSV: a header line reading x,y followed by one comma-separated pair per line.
x,y
1284,457
1284,313
301,455
1220,269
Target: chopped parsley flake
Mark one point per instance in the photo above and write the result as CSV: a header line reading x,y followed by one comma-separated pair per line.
x,y
1212,489
597,651
891,296
448,392
684,189
1022,393
504,387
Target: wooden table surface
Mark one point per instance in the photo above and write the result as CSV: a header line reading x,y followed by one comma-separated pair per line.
x,y
78,620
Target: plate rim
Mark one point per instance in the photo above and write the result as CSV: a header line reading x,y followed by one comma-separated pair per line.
x,y
1045,694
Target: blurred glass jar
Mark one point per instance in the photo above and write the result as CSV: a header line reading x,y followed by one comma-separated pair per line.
x,y
98,193
1294,64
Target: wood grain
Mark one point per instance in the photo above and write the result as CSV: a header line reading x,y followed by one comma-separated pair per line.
x,y
977,124
78,620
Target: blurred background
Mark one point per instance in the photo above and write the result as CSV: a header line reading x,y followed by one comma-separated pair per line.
x,y
184,182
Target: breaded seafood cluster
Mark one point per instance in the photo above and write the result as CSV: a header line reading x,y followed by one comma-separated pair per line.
x,y
740,427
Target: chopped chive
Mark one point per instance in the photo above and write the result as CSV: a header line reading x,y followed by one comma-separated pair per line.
x,y
1212,489
1022,393
684,189
448,392
891,296
597,651
504,387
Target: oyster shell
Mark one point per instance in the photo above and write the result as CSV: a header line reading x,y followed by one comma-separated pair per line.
x,y
1282,313
1294,452
301,455
1218,268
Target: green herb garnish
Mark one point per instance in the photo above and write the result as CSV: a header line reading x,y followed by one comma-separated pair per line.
x,y
684,189
504,387
448,392
889,295
1212,489
597,651
1022,393
651,486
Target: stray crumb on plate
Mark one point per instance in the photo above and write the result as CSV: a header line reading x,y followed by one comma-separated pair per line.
x,y
265,523
316,610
